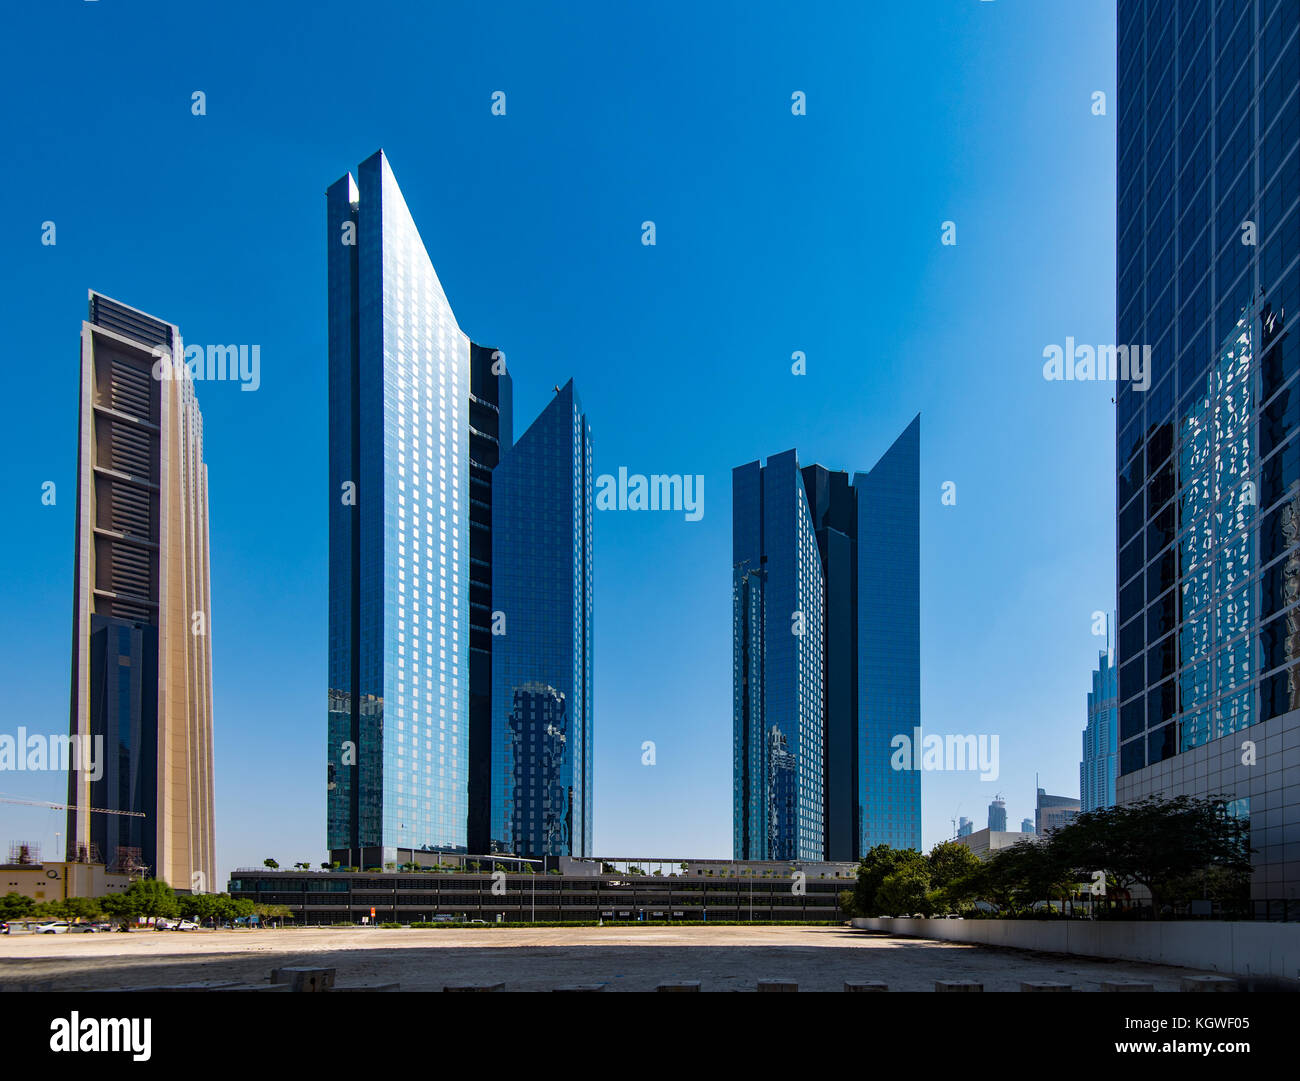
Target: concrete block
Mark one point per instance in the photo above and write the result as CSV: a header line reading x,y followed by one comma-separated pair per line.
x,y
1208,983
680,985
865,985
304,979
777,985
957,985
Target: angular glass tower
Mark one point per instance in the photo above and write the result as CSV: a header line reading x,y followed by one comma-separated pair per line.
x,y
399,496
826,655
777,584
141,618
1208,492
541,781
889,642
1100,764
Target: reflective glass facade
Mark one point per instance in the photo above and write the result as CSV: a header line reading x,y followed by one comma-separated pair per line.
x,y
826,655
777,581
1100,764
399,505
889,641
1208,459
542,750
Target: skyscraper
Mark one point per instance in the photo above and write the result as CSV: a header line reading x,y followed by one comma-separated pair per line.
x,y
141,618
425,584
777,582
400,511
542,750
1208,485
1100,764
998,815
826,655
1053,812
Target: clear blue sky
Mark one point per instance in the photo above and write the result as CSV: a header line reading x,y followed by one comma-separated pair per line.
x,y
775,233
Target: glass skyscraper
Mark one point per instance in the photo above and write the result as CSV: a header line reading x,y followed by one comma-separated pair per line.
x,y
542,751
826,655
1100,764
399,494
1208,492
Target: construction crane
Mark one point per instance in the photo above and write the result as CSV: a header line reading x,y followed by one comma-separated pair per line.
x,y
70,807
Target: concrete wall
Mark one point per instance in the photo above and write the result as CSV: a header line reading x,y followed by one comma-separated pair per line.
x,y
1239,948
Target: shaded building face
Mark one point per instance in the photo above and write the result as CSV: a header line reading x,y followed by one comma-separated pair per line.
x,y
541,702
399,466
141,653
1208,471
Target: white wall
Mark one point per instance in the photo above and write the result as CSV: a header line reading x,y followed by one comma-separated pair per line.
x,y
1239,948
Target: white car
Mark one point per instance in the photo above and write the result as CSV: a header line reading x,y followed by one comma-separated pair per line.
x,y
185,925
58,927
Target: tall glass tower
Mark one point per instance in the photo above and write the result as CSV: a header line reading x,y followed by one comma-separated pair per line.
x,y
1100,765
542,751
1208,492
777,584
826,655
399,497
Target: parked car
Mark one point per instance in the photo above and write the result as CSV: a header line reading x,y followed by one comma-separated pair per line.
x,y
185,925
19,927
56,927
83,928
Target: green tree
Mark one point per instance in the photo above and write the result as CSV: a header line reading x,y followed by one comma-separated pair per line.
x,y
905,890
880,862
148,897
14,906
954,874
1157,843
271,864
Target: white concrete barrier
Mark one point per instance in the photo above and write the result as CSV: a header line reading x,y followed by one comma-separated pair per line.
x,y
1241,948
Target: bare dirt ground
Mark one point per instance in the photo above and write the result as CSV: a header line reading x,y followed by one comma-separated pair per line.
x,y
622,958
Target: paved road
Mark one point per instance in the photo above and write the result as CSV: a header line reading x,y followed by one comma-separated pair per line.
x,y
625,959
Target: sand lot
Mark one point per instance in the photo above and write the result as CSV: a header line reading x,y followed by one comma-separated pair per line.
x,y
623,958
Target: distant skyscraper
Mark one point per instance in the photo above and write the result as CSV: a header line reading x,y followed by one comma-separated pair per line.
x,y
1100,764
1053,812
826,655
1208,492
1027,825
998,815
965,827
141,617
542,750
399,492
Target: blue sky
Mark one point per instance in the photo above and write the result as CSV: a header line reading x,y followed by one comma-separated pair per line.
x,y
775,233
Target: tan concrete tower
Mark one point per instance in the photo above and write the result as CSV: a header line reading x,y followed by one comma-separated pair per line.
x,y
142,620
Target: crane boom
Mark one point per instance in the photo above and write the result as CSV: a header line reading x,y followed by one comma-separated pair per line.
x,y
70,807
